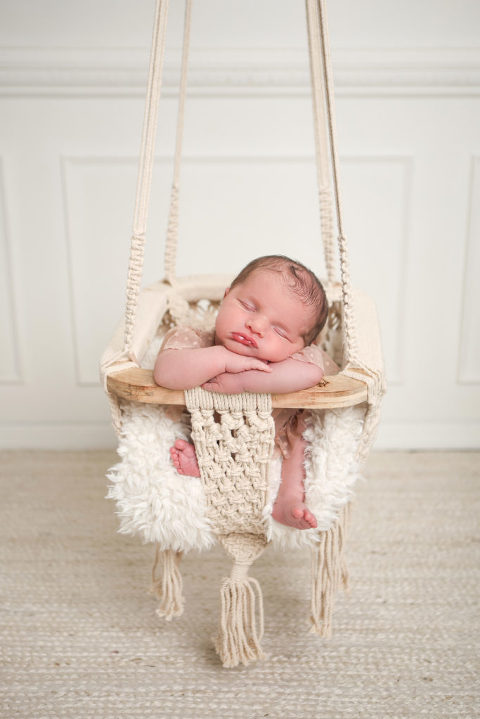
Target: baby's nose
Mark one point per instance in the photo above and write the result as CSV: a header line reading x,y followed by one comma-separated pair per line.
x,y
256,325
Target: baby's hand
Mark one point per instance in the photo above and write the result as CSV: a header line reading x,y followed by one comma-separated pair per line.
x,y
239,363
227,382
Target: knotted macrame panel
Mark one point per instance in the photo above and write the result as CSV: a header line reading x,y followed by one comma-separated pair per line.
x,y
233,436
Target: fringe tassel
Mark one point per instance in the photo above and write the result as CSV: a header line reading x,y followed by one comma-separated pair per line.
x,y
241,630
239,638
329,570
168,587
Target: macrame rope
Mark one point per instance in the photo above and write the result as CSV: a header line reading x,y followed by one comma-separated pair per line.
x,y
233,456
328,571
351,343
241,617
144,181
320,136
168,587
355,367
172,231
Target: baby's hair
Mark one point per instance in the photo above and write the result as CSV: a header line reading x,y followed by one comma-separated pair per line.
x,y
302,281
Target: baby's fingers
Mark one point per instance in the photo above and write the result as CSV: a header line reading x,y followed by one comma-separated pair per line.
x,y
263,366
210,386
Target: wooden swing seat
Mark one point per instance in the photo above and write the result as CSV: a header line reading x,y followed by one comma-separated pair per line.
x,y
138,385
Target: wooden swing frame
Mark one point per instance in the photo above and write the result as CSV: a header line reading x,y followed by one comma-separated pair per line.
x,y
138,385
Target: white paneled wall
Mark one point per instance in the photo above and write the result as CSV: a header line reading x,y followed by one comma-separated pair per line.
x,y
72,80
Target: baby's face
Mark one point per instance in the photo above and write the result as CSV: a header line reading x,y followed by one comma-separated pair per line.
x,y
262,318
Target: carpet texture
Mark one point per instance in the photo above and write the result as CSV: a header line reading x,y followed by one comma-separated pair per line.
x,y
80,637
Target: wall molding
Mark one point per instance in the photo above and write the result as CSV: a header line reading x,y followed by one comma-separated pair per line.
x,y
15,376
469,342
60,71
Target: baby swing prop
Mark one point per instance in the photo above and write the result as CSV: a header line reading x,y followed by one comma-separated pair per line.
x,y
233,434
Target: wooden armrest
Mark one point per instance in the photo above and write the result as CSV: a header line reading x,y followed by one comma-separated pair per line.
x,y
138,385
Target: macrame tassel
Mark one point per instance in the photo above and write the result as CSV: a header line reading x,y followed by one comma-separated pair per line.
x,y
168,587
241,630
329,570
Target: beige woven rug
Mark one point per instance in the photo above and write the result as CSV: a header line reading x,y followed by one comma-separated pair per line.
x,y
80,637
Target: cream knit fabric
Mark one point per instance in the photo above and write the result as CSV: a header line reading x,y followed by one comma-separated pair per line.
x,y
233,456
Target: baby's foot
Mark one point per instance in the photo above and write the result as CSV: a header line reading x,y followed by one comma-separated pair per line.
x,y
184,458
293,513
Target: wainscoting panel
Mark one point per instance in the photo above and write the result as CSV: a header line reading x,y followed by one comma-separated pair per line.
x,y
469,355
10,372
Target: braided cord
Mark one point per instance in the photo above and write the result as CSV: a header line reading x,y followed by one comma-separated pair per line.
x,y
351,343
324,124
170,259
320,137
144,182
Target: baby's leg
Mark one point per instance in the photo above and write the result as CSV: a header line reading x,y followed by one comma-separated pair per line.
x,y
289,507
184,458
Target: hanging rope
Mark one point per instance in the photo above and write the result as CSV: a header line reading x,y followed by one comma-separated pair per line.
x,y
144,182
320,137
351,344
324,127
172,231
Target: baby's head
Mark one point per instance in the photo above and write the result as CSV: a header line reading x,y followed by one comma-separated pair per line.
x,y
273,308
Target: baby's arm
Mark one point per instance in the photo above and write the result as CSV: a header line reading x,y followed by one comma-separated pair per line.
x,y
187,368
289,375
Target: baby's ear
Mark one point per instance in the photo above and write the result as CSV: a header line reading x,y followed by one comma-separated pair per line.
x,y
226,292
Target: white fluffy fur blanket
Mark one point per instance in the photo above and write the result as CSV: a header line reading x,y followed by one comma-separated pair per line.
x,y
161,506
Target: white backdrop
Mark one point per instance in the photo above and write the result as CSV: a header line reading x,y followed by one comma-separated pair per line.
x,y
72,82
